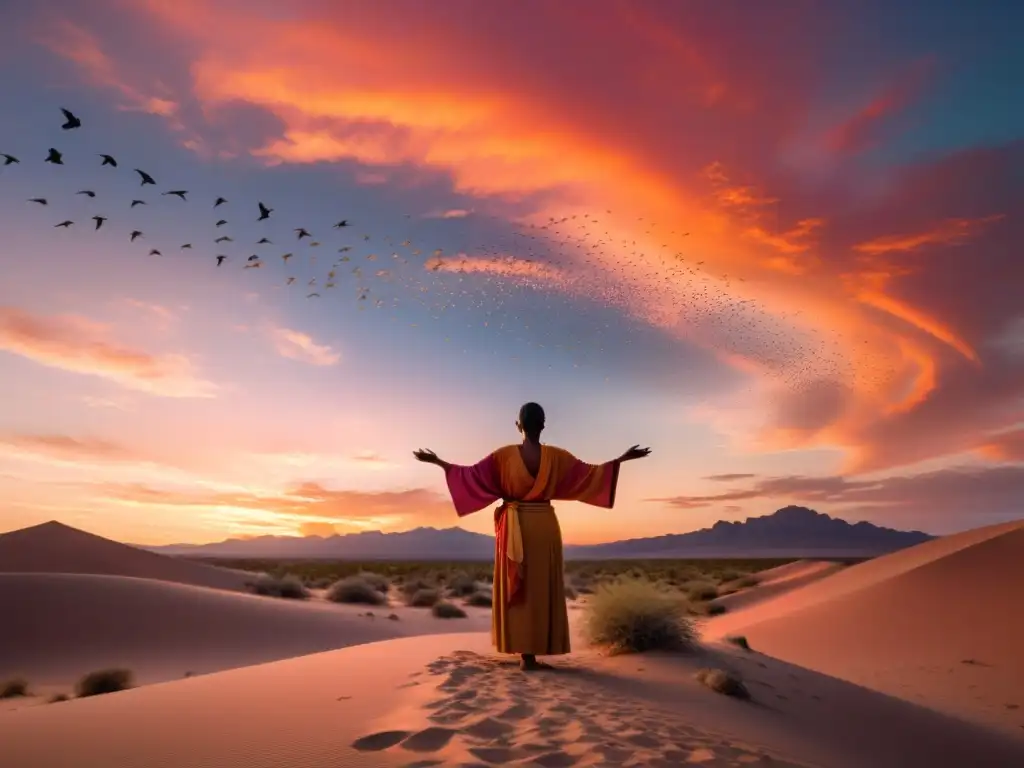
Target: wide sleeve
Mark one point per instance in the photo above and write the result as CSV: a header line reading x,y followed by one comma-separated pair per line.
x,y
473,488
592,484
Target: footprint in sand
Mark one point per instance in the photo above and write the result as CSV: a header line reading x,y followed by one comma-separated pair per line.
x,y
375,742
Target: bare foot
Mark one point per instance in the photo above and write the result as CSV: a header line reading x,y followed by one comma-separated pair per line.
x,y
530,664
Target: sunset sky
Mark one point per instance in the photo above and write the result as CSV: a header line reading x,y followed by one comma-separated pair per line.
x,y
780,243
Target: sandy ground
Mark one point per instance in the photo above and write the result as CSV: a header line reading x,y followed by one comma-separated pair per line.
x,y
56,548
777,581
448,701
939,624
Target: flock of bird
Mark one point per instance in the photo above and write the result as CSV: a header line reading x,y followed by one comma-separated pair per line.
x,y
580,250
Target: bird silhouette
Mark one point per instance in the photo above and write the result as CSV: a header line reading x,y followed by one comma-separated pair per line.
x,y
99,221
186,245
219,201
64,224
155,252
221,223
223,239
313,296
285,257
87,192
40,200
342,223
9,159
301,233
177,193
71,120
263,241
264,212
108,160
55,157
137,202
135,235
146,178
254,257
220,260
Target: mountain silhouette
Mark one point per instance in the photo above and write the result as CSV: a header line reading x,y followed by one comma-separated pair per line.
x,y
789,532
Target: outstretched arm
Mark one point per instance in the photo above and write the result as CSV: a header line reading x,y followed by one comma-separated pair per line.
x,y
429,457
472,488
634,452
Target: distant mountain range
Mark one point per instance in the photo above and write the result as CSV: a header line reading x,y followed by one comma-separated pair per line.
x,y
789,532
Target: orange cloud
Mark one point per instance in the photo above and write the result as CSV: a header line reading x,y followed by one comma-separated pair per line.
x,y
80,345
948,232
66,448
296,345
1005,446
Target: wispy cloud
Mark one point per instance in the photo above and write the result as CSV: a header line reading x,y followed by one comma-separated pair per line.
x,y
948,232
299,346
77,344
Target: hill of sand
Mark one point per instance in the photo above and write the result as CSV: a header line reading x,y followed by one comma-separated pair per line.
x,y
57,548
940,623
781,579
61,626
446,701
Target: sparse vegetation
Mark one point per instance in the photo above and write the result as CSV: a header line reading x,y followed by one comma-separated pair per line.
x,y
14,688
375,580
570,591
461,584
423,598
444,610
721,681
355,589
739,641
634,615
701,590
287,586
480,599
57,698
104,681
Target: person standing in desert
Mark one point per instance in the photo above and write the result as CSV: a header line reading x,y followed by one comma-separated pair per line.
x,y
529,616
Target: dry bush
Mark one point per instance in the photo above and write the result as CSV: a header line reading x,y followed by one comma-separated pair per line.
x,y
706,609
423,598
288,586
461,585
14,688
721,681
442,609
480,599
104,681
57,698
634,615
355,589
375,580
700,590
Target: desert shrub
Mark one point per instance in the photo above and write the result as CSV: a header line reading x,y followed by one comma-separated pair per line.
x,y
442,609
481,599
423,598
104,681
461,585
631,616
287,586
706,609
375,580
14,688
320,583
739,641
393,616
57,698
354,589
726,683
701,590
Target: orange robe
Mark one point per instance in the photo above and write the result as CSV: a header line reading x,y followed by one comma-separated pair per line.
x,y
529,612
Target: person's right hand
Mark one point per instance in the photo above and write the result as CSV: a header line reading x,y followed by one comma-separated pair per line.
x,y
426,456
635,452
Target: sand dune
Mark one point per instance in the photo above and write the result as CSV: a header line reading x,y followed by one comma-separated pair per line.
x,y
60,626
776,581
57,548
446,701
940,623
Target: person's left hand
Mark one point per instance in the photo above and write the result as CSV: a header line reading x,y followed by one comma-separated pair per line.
x,y
426,456
635,452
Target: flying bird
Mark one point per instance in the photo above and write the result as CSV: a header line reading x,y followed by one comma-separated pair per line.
x,y
155,252
220,260
301,232
286,256
99,221
64,224
71,120
223,239
40,200
186,245
254,257
88,192
177,192
263,241
55,157
264,212
9,159
135,234
146,178
108,160
219,201
342,223
137,202
313,296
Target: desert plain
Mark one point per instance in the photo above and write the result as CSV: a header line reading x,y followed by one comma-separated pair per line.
x,y
909,659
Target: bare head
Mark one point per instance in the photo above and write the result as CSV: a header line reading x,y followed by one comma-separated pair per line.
x,y
531,421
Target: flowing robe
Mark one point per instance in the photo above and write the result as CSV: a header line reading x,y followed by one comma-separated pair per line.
x,y
529,613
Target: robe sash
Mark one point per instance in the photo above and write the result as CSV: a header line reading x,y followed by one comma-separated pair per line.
x,y
508,542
